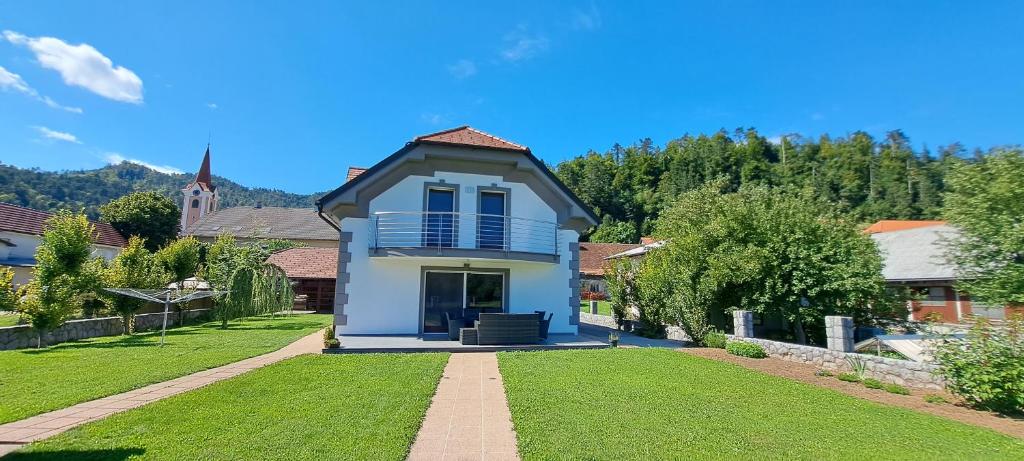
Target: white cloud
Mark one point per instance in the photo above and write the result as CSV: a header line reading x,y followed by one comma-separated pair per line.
x,y
433,119
115,158
84,66
212,106
57,135
520,45
462,69
586,20
11,81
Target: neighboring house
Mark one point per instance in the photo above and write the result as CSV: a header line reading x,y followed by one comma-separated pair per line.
x,y
455,222
201,218
914,255
640,250
313,272
21,231
593,262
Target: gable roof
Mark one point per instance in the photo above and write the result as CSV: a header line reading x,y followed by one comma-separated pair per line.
x,y
263,222
307,263
468,136
354,172
592,255
463,136
14,218
890,225
916,254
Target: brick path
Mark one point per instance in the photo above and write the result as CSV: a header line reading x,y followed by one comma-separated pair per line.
x,y
15,434
469,417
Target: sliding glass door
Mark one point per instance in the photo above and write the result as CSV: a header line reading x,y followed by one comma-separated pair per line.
x,y
461,294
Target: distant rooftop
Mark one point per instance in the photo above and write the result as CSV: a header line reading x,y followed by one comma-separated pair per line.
x,y
890,225
307,263
638,251
593,255
14,218
354,172
916,254
264,222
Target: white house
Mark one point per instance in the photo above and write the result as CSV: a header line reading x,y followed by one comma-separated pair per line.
x,y
455,222
21,231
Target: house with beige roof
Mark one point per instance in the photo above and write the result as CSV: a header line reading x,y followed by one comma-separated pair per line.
x,y
201,218
456,234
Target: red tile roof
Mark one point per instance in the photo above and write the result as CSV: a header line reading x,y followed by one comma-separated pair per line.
x,y
890,225
23,220
467,136
354,172
592,255
307,263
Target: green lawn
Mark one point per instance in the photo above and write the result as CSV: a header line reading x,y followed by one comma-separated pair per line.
x,y
661,404
35,381
603,307
8,320
309,407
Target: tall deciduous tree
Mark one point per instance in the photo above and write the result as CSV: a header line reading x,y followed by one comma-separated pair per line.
x,y
149,215
986,203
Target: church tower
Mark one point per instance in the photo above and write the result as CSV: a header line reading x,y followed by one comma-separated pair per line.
x,y
200,195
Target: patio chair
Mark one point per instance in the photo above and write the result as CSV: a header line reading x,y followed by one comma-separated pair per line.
x,y
454,325
543,324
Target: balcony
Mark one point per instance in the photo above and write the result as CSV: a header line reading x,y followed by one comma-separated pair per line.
x,y
463,235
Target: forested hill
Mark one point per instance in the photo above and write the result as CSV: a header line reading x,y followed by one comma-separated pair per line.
x,y
868,178
88,189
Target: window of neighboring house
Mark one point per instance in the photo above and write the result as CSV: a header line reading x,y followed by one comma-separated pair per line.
x,y
936,294
195,203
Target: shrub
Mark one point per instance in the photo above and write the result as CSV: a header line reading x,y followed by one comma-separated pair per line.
x,y
823,373
935,398
588,295
848,377
330,341
715,339
894,388
986,367
745,349
872,383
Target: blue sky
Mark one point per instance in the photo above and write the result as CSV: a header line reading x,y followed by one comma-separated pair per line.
x,y
292,94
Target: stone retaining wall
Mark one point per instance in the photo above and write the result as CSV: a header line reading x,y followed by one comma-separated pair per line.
x,y
902,372
22,336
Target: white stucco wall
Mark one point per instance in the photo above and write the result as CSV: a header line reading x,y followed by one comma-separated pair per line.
x,y
384,292
25,248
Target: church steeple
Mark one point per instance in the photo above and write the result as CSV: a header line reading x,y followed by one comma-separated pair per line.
x,y
203,177
200,195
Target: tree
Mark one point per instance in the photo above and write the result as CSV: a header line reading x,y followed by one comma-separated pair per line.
x,y
179,258
134,267
8,296
773,251
63,277
149,215
986,204
615,232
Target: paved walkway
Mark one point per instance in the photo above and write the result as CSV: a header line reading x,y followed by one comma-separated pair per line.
x,y
469,417
15,434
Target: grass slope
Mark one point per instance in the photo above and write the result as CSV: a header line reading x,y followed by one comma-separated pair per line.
x,y
661,404
9,320
36,381
309,407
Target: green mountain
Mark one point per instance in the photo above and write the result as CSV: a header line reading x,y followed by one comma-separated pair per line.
x,y
88,189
